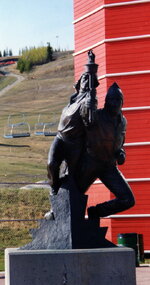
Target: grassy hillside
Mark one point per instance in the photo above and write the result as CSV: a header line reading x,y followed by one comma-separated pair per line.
x,y
44,91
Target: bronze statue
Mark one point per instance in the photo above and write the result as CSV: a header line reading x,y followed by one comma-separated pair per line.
x,y
88,145
90,141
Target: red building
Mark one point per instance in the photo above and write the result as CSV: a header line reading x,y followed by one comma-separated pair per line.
x,y
119,33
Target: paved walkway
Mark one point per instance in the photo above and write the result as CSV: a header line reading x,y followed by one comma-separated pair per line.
x,y
142,276
18,77
2,278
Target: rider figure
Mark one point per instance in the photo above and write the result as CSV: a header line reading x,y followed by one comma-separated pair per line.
x,y
70,140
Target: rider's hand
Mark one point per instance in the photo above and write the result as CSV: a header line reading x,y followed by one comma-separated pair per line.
x,y
121,156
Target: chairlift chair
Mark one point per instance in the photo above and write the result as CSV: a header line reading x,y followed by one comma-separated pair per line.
x,y
49,129
45,129
16,130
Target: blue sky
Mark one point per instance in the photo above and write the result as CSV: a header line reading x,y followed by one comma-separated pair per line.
x,y
36,22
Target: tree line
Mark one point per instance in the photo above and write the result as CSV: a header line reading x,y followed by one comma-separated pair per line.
x,y
29,57
6,52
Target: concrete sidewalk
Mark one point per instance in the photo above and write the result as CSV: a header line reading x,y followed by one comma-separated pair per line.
x,y
142,276
2,278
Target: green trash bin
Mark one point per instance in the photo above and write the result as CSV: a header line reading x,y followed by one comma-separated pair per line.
x,y
130,240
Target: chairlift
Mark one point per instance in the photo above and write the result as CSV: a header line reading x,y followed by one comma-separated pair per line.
x,y
44,129
16,130
49,129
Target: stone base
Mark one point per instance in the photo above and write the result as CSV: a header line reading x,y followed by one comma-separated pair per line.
x,y
69,229
105,266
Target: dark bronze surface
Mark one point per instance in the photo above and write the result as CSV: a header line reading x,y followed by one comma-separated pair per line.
x,y
90,141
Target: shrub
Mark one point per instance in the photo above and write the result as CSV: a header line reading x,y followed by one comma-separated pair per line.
x,y
21,65
34,56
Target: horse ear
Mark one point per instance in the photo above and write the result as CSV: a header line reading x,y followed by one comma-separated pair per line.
x,y
115,85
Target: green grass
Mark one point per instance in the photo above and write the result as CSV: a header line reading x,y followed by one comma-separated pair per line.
x,y
20,204
5,81
1,260
24,204
14,234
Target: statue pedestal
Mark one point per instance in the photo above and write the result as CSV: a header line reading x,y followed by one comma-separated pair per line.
x,y
69,229
105,266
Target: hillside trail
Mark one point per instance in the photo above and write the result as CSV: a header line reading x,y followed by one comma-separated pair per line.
x,y
19,78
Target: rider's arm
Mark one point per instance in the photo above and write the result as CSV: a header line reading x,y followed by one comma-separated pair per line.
x,y
88,108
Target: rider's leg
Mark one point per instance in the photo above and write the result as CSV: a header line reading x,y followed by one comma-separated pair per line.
x,y
116,183
55,158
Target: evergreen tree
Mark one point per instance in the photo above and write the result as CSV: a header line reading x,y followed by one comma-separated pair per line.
x,y
10,52
49,52
0,54
4,53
